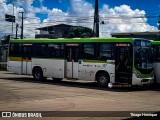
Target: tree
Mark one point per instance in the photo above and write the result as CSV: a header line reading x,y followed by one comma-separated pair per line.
x,y
80,32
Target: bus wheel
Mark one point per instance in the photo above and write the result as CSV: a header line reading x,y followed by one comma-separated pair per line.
x,y
103,80
57,79
38,74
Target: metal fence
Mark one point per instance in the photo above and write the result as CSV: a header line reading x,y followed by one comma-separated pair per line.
x,y
3,65
3,59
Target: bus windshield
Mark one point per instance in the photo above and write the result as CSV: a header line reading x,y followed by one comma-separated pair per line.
x,y
143,56
156,54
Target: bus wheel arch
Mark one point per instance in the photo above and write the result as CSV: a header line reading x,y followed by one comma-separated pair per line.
x,y
102,77
37,73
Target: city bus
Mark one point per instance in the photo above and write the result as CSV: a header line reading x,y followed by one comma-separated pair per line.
x,y
107,61
156,54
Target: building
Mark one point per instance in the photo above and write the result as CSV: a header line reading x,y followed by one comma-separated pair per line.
x,y
147,35
55,31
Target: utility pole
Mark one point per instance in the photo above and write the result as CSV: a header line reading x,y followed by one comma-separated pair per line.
x,y
22,26
96,20
11,1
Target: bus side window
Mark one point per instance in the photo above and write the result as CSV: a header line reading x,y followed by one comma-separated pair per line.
x,y
15,49
105,51
88,51
39,50
55,50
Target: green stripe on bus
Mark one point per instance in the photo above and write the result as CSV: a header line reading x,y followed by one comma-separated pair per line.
x,y
20,58
94,61
85,40
98,61
49,58
155,42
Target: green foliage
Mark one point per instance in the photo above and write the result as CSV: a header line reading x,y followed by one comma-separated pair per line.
x,y
80,32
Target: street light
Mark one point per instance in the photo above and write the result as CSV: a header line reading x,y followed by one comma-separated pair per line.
x,y
102,23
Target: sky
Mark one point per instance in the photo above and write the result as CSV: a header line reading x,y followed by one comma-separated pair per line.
x,y
118,15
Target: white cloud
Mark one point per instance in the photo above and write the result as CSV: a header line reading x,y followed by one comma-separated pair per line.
x,y
2,1
73,16
118,19
123,19
80,7
30,20
55,16
5,27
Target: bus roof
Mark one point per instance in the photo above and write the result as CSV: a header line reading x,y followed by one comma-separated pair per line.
x,y
81,40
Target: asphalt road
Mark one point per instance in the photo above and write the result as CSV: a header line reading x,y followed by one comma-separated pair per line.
x,y
23,93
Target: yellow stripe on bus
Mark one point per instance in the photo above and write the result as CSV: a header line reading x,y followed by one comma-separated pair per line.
x,y
15,59
18,59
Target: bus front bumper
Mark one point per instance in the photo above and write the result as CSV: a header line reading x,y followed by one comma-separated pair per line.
x,y
142,81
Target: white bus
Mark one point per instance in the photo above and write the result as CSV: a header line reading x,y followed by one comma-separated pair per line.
x,y
114,60
156,54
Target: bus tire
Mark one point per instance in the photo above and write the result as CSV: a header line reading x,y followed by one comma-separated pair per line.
x,y
38,74
102,79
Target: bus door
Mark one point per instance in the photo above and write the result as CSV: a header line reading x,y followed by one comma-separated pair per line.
x,y
72,53
123,63
26,59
